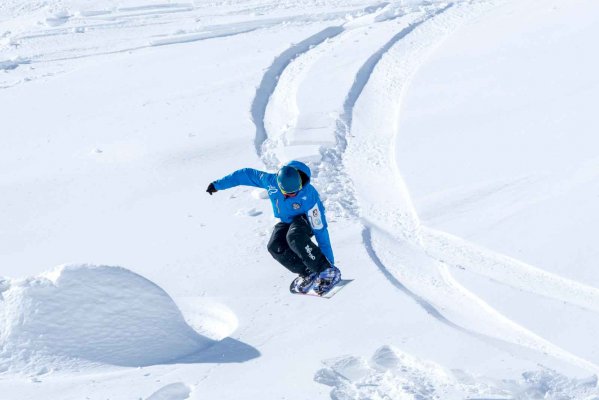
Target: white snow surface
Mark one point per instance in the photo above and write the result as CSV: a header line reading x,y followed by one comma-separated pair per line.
x,y
454,145
97,314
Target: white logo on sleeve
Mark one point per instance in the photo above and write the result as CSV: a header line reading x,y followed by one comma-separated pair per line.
x,y
315,218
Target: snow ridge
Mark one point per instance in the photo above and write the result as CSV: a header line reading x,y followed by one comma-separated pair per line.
x,y
267,142
367,68
89,315
430,308
331,169
270,80
457,252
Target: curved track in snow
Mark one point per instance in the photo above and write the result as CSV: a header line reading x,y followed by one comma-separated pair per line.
x,y
349,136
270,78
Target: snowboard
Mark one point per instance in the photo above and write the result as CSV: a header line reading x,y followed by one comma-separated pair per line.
x,y
334,290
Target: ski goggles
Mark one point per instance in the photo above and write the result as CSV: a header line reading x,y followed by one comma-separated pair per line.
x,y
290,194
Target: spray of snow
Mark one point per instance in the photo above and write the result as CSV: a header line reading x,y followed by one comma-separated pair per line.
x,y
393,374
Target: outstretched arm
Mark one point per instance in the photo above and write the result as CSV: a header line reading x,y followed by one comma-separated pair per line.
x,y
244,176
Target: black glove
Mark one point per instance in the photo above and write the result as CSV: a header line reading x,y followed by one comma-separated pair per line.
x,y
211,189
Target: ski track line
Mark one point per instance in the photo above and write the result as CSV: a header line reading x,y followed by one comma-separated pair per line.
x,y
332,157
367,68
223,32
280,100
167,15
405,221
431,285
432,310
458,252
343,124
398,216
428,307
271,77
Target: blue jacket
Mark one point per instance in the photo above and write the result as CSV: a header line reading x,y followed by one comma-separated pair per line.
x,y
306,202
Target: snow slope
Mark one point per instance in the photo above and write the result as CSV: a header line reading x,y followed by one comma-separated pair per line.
x,y
117,114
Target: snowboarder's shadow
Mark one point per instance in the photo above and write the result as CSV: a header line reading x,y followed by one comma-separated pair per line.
x,y
227,350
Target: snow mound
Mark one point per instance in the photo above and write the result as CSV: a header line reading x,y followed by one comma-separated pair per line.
x,y
174,391
85,314
392,374
208,317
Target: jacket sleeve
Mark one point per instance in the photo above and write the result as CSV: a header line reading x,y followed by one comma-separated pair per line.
x,y
245,177
319,225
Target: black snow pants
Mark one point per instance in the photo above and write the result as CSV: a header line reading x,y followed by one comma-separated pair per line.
x,y
291,245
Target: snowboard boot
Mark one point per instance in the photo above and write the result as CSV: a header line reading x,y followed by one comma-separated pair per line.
x,y
303,283
326,280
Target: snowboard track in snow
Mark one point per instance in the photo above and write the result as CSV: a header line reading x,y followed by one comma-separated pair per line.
x,y
272,74
522,337
364,73
271,77
428,307
402,223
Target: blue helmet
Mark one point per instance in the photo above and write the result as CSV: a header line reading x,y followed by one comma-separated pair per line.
x,y
289,180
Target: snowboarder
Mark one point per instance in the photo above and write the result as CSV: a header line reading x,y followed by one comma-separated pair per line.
x,y
297,203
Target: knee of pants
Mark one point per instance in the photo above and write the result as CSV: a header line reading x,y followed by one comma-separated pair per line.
x,y
275,249
297,236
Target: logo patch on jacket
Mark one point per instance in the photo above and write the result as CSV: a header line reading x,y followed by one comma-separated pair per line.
x,y
315,218
296,206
